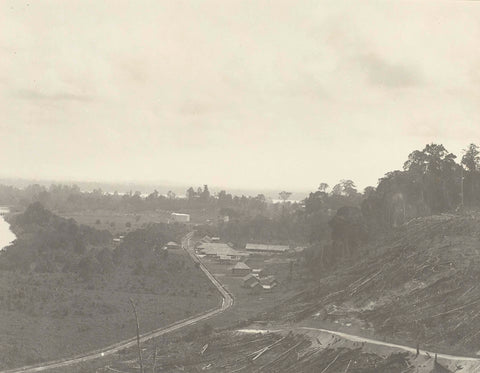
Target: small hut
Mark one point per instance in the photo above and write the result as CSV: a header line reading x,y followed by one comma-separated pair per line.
x,y
241,269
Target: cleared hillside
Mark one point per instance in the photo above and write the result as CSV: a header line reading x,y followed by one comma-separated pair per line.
x,y
422,285
228,351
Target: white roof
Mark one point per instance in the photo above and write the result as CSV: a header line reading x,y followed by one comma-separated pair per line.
x,y
219,249
241,265
265,247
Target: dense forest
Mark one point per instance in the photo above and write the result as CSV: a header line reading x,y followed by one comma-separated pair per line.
x,y
47,243
431,182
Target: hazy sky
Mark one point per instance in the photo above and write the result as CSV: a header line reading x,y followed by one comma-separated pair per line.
x,y
244,93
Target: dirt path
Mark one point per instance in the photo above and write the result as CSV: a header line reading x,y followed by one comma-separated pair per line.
x,y
355,338
227,302
469,364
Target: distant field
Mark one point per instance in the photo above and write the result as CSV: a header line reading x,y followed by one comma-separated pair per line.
x,y
116,222
121,223
51,315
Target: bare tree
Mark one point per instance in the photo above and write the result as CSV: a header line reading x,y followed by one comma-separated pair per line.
x,y
138,336
284,195
154,367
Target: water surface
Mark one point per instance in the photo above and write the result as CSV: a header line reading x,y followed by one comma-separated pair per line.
x,y
6,235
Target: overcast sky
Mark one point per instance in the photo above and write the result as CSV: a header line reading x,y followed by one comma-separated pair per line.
x,y
272,94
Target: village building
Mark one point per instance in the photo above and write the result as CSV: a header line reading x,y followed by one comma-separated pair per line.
x,y
268,282
206,239
225,259
180,218
270,249
172,245
255,287
258,272
241,269
217,250
248,280
299,249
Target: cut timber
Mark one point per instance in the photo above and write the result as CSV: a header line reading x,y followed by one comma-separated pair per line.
x,y
348,366
331,363
265,349
456,309
279,358
352,292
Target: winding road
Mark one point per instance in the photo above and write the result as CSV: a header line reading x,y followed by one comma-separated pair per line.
x,y
227,302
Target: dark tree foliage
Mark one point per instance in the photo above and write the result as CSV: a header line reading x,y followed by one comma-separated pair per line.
x,y
154,236
430,183
348,231
471,175
49,243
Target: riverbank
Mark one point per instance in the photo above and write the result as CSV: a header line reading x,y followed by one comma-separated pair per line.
x,y
6,235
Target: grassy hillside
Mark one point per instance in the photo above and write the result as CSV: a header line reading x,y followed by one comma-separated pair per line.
x,y
421,285
65,289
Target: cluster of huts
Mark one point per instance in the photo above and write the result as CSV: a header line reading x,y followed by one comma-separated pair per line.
x,y
253,279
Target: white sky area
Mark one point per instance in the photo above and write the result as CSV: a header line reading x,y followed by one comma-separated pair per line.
x,y
257,94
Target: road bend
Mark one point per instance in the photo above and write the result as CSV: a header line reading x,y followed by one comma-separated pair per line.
x,y
227,302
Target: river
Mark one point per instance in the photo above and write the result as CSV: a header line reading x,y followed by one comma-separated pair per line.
x,y
6,235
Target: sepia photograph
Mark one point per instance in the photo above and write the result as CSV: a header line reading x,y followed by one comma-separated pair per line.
x,y
239,186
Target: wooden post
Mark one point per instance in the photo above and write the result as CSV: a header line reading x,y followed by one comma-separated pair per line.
x,y
138,336
154,368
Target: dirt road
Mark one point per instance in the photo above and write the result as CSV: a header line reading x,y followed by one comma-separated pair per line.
x,y
470,364
227,302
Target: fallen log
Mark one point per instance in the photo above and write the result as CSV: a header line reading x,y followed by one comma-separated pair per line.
x,y
331,363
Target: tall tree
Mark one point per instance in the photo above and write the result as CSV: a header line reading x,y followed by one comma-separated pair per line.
x,y
284,195
470,179
345,187
205,195
191,193
471,158
435,169
323,187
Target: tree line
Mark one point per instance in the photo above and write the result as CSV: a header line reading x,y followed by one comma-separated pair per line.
x,y
432,181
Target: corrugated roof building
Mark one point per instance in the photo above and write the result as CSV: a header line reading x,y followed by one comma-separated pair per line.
x,y
264,248
241,269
